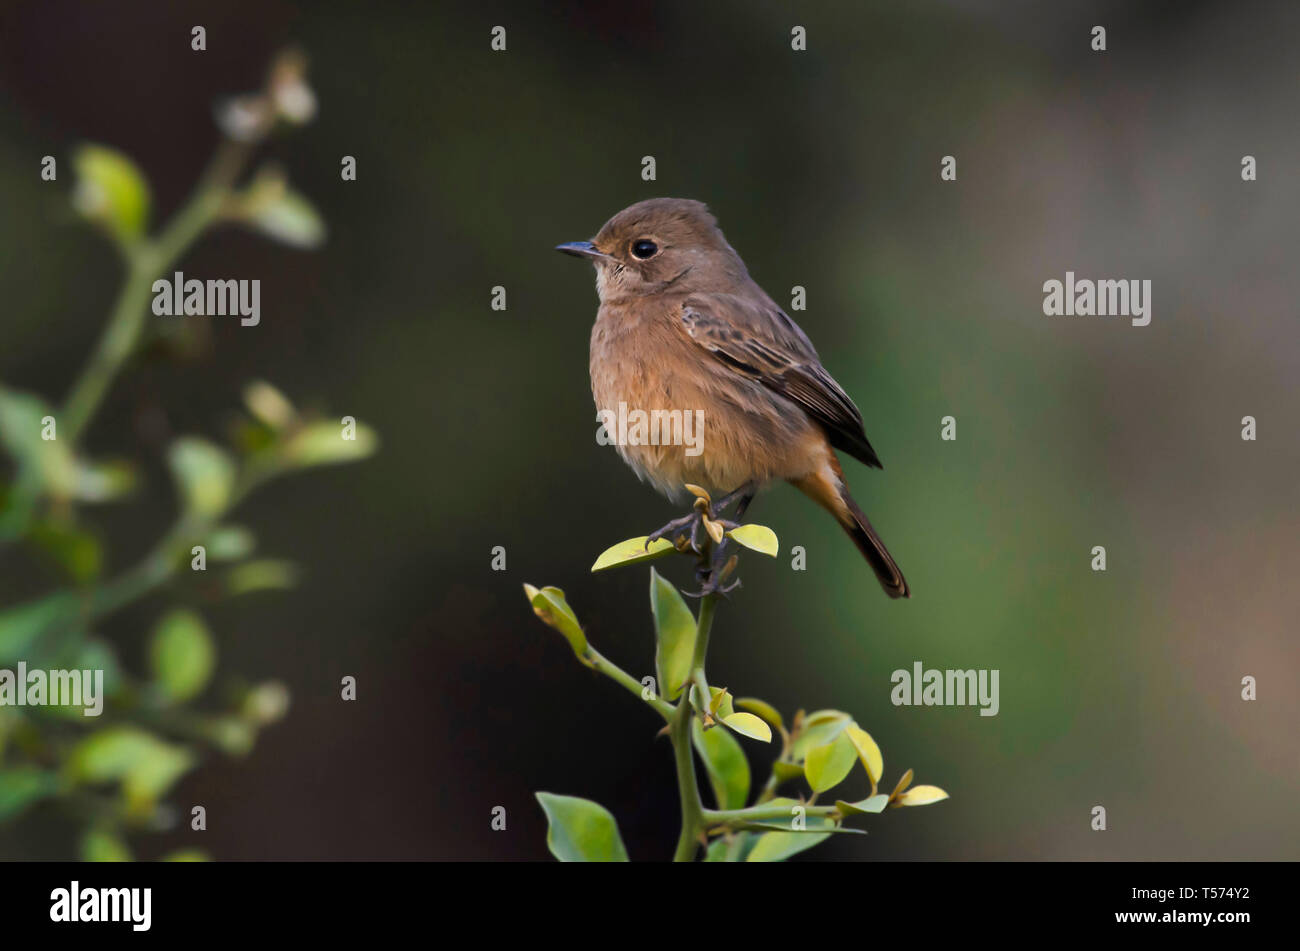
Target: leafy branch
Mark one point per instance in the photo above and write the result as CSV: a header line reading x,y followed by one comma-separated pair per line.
x,y
818,750
112,772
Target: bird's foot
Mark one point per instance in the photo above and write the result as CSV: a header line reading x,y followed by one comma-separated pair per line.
x,y
687,533
745,495
712,574
682,532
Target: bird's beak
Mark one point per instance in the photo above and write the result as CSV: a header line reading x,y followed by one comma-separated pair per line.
x,y
582,249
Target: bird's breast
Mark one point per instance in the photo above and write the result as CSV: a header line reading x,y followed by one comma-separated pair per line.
x,y
677,415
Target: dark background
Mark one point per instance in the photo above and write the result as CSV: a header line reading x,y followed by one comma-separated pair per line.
x,y
924,299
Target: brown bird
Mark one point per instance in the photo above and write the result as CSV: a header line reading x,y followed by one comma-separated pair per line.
x,y
683,328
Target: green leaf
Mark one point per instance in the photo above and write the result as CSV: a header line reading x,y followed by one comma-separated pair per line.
x,y
78,552
731,848
111,191
749,725
725,763
632,552
269,405
869,806
759,538
97,654
182,655
108,754
779,846
103,481
204,473
868,752
550,605
22,786
229,543
101,845
580,830
22,432
323,443
719,704
674,635
233,735
827,765
146,766
21,627
762,709
289,218
821,717
153,776
186,855
825,730
717,850
784,772
921,796
903,783
263,574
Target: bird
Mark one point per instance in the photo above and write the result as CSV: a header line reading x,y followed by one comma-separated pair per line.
x,y
682,327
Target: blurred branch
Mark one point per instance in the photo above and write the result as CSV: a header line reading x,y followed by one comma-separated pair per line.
x,y
146,261
150,735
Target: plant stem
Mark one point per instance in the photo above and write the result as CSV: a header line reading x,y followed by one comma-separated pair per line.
x,y
702,628
598,661
687,785
761,813
769,789
162,563
144,263
116,344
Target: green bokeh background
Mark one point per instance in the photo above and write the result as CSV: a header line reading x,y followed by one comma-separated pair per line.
x,y
1119,689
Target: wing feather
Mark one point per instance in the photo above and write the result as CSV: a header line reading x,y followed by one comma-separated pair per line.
x,y
757,339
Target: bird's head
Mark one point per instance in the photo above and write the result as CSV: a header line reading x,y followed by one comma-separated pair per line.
x,y
659,245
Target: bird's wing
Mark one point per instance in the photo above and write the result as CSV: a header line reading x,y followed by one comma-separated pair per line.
x,y
756,338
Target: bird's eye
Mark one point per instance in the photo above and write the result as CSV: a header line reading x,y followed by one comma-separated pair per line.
x,y
644,248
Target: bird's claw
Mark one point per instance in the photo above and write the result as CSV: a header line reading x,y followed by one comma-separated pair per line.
x,y
680,531
713,575
710,587
684,533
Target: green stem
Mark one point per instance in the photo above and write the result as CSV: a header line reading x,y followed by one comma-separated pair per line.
x,y
702,629
687,785
116,344
598,661
769,789
145,262
161,564
761,813
153,572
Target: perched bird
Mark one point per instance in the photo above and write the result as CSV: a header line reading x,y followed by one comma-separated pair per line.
x,y
682,327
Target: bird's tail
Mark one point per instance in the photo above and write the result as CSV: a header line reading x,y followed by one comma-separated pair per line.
x,y
873,549
828,490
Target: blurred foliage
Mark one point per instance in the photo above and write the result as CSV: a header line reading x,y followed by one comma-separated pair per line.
x,y
818,749
113,772
923,299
